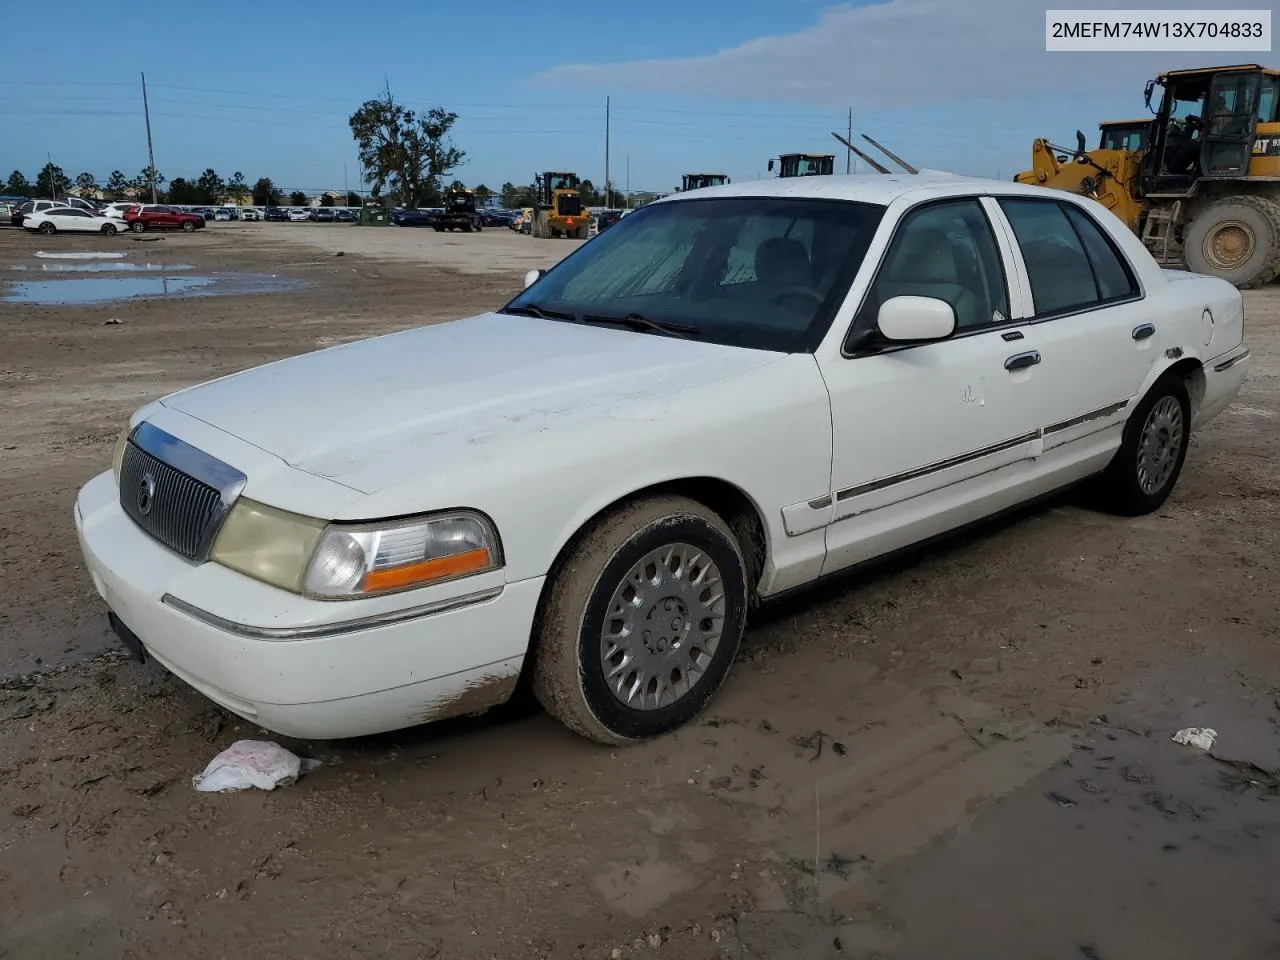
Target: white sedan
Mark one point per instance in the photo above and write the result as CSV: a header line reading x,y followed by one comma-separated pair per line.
x,y
299,216
726,396
73,220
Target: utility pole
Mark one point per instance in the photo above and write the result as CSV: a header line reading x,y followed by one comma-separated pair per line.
x,y
151,158
607,191
848,154
628,181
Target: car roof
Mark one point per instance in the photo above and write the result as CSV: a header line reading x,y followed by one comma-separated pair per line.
x,y
876,188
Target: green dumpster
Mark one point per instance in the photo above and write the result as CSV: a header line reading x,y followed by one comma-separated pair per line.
x,y
372,216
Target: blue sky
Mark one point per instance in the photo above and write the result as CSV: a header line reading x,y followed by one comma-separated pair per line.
x,y
717,86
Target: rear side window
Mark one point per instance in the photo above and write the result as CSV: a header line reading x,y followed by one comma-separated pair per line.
x,y
1071,263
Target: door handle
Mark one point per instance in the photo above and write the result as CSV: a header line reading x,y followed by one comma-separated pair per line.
x,y
1020,361
1143,330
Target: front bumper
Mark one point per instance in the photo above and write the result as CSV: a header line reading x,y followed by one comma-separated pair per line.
x,y
304,668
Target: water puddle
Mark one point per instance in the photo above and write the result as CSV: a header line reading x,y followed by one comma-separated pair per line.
x,y
91,290
105,267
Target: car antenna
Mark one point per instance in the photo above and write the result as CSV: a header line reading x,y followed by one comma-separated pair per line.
x,y
861,156
891,155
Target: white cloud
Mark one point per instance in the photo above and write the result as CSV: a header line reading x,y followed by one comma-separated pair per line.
x,y
896,54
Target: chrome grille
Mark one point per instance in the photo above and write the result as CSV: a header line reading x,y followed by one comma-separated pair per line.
x,y
178,495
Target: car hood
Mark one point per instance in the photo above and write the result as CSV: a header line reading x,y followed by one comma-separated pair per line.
x,y
376,412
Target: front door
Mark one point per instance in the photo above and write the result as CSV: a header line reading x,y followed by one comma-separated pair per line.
x,y
1229,124
923,434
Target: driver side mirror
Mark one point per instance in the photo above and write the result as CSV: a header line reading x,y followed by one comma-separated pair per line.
x,y
1146,94
915,319
532,277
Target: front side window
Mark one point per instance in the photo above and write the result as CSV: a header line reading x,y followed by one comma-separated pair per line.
x,y
948,252
764,273
1070,262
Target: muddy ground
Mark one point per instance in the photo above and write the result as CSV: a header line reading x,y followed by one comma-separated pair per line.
x,y
964,754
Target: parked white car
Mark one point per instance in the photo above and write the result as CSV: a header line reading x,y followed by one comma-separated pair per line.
x,y
299,216
716,401
250,213
117,210
72,220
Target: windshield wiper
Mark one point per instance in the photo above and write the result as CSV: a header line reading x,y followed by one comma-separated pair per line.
x,y
638,321
533,310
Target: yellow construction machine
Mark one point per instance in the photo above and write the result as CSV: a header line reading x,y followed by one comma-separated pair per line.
x,y
558,211
1203,188
696,181
804,164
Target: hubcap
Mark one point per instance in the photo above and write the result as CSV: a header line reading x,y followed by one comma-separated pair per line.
x,y
1159,445
663,626
1229,244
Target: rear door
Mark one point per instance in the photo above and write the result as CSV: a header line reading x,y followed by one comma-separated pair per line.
x,y
1090,323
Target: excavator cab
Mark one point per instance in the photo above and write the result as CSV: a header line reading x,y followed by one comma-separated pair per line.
x,y
1208,124
696,181
805,164
1129,136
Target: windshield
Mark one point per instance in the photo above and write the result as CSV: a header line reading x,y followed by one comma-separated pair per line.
x,y
765,273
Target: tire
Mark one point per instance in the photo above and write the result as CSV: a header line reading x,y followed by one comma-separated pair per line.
x,y
188,226
1160,422
46,228
137,226
1237,239
108,229
570,649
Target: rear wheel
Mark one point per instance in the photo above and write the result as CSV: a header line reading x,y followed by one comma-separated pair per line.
x,y
641,622
138,226
1237,239
187,226
1145,469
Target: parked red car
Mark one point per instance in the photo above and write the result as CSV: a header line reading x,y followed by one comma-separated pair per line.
x,y
158,216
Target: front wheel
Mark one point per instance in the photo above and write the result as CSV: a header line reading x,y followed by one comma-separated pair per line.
x,y
138,226
642,621
1145,469
108,229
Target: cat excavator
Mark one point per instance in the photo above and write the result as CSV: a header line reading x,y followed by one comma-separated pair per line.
x,y
1202,187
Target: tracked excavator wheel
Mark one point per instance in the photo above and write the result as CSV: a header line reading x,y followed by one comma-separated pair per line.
x,y
1237,239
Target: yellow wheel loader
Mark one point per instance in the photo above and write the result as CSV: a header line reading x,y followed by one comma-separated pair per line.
x,y
696,181
1203,188
558,211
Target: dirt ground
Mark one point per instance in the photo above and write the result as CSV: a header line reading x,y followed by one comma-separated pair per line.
x,y
965,754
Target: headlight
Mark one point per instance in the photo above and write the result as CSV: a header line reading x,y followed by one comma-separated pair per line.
x,y
342,561
359,560
117,455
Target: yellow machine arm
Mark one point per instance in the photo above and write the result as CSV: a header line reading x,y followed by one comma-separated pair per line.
x,y
1109,176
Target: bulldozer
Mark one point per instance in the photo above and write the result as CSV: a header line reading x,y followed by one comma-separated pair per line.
x,y
1202,190
804,164
696,181
558,211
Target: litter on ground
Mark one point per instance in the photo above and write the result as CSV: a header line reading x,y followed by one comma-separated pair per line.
x,y
248,764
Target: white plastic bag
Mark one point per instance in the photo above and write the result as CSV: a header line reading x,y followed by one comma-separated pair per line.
x,y
251,763
1201,737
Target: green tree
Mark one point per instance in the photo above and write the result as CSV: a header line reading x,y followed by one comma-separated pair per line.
x,y
265,193
589,194
483,194
143,181
183,192
17,185
87,184
117,185
298,198
404,150
51,181
326,200
353,200
210,186
237,188
509,196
